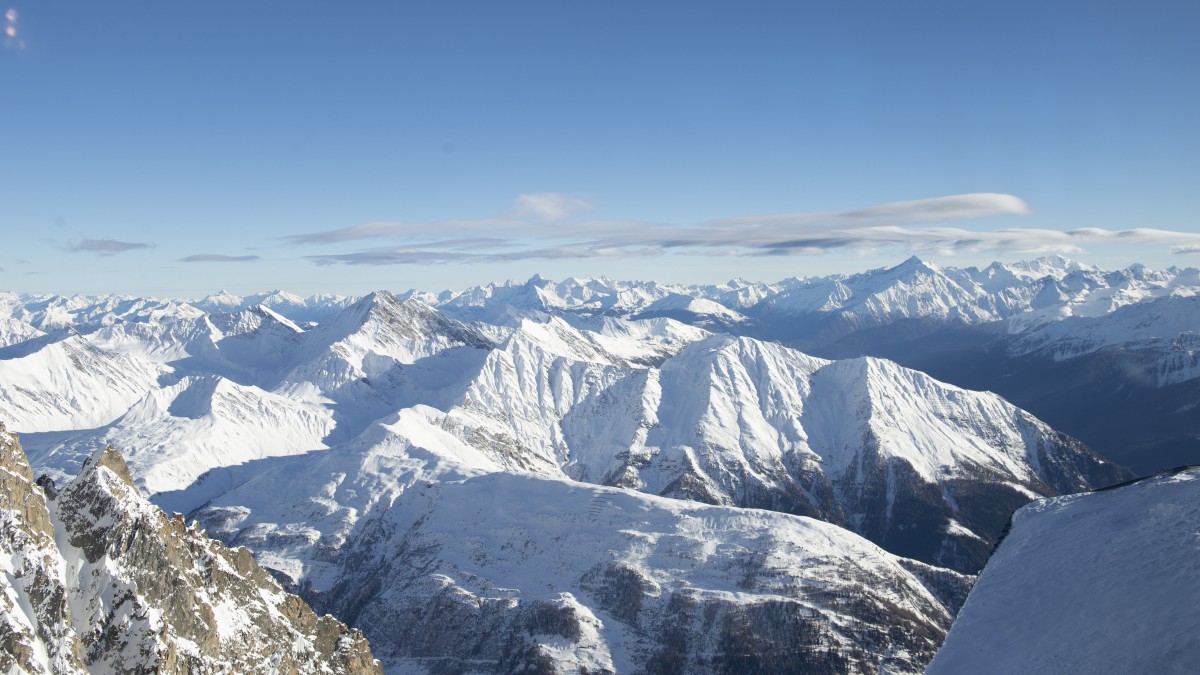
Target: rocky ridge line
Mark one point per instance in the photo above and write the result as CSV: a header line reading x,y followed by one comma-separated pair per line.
x,y
97,577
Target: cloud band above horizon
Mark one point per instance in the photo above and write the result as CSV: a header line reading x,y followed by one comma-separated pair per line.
x,y
921,226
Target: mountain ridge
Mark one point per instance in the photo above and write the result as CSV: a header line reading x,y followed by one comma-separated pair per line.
x,y
102,579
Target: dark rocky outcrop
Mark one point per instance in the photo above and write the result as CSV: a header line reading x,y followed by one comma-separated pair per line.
x,y
102,579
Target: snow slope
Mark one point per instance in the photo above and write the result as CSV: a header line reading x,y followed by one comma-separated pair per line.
x,y
64,382
444,560
1096,583
176,433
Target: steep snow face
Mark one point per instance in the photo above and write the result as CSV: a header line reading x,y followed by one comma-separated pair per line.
x,y
722,424
98,580
64,382
175,434
1095,583
888,452
937,429
441,559
374,334
920,467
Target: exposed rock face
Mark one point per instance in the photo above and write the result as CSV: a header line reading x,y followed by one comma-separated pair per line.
x,y
36,631
98,578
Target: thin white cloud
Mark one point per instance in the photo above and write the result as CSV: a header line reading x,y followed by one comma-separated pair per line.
x,y
935,210
391,256
383,229
548,207
419,256
106,246
931,226
573,252
216,257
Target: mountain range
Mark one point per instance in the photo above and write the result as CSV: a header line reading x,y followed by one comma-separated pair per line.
x,y
604,475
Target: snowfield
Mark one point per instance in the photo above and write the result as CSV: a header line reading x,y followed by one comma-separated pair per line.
x,y
1097,583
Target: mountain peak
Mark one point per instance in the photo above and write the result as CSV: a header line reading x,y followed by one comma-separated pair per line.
x,y
380,296
915,264
109,458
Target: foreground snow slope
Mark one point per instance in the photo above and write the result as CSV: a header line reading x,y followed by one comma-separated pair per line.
x,y
1096,583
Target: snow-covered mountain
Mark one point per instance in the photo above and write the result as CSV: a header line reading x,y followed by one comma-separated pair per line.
x,y
1165,331
1094,583
96,579
62,381
438,469
446,564
884,451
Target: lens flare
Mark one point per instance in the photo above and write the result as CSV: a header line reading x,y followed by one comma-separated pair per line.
x,y
10,30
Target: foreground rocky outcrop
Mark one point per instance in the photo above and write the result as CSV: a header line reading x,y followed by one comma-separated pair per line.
x,y
97,578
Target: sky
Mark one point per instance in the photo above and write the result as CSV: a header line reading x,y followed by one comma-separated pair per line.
x,y
176,149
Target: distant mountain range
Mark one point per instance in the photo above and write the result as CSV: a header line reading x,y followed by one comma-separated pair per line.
x,y
618,475
1107,356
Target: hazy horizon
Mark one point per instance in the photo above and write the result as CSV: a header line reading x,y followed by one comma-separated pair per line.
x,y
699,280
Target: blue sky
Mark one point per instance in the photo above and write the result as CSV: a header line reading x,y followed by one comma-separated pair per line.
x,y
180,148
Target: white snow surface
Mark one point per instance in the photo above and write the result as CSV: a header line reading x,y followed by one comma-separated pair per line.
x,y
408,486
1092,584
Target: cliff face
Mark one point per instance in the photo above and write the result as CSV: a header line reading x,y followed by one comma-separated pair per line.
x,y
97,577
